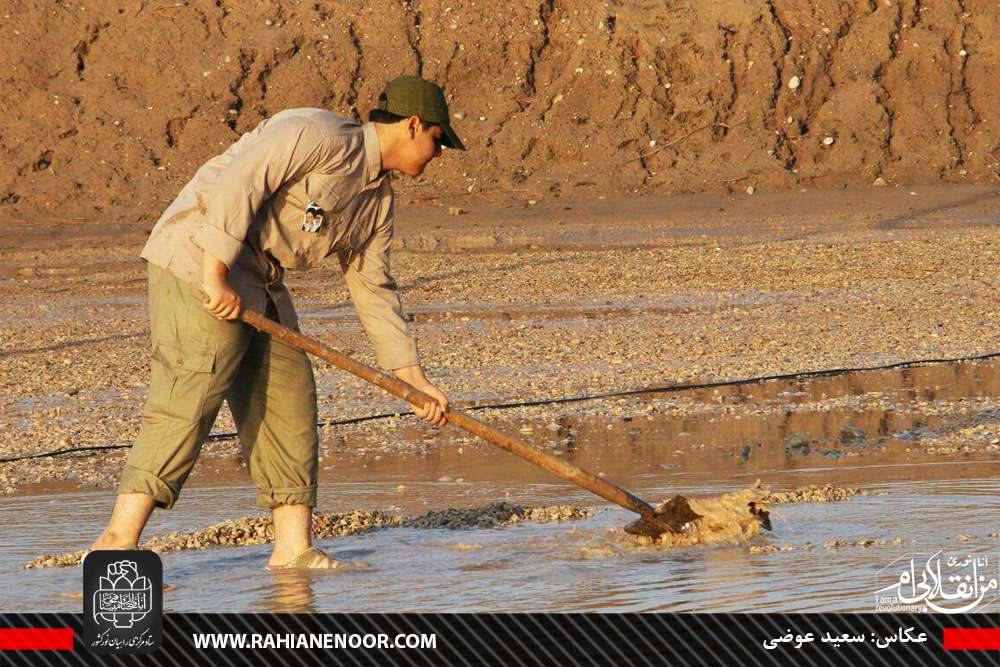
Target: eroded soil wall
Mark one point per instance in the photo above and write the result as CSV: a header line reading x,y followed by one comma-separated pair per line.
x,y
109,107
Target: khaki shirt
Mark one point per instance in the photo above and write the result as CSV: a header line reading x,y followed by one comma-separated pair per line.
x,y
247,207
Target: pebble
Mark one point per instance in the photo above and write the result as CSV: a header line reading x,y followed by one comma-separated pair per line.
x,y
863,543
816,493
794,82
775,548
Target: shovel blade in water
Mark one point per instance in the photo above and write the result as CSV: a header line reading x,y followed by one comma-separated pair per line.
x,y
672,517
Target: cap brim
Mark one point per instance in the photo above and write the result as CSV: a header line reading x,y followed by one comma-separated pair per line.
x,y
451,139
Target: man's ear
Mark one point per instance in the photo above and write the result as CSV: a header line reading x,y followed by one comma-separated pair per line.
x,y
412,123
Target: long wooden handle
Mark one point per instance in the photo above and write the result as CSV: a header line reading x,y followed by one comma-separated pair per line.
x,y
414,396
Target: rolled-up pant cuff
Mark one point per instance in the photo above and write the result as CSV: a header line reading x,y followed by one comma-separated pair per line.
x,y
136,480
297,495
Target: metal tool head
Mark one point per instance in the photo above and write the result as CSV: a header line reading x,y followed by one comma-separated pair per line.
x,y
762,515
671,517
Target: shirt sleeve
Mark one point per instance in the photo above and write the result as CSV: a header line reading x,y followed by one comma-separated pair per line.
x,y
282,150
376,300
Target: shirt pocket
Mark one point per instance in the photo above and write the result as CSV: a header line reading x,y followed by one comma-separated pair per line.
x,y
180,380
323,191
311,237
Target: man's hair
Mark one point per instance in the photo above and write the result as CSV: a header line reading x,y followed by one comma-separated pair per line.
x,y
383,116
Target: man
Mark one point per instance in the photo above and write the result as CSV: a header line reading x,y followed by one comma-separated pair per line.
x,y
301,186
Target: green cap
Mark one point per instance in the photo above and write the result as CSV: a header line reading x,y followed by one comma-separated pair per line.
x,y
413,96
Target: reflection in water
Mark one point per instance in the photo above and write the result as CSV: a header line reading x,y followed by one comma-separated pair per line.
x,y
933,502
287,592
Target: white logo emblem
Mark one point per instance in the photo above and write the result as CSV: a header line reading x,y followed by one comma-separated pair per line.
x,y
945,584
124,597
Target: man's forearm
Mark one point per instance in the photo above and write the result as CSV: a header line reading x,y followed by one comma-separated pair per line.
x,y
212,269
413,375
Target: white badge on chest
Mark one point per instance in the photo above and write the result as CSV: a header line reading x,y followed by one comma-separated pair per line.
x,y
313,219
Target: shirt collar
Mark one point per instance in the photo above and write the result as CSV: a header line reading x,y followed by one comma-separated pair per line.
x,y
373,155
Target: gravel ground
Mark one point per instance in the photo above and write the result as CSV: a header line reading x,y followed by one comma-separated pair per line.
x,y
543,307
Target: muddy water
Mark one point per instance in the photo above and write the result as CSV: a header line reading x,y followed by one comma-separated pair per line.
x,y
779,432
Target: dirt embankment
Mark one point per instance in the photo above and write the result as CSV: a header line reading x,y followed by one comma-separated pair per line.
x,y
110,106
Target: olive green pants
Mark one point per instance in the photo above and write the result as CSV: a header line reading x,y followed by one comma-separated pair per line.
x,y
199,360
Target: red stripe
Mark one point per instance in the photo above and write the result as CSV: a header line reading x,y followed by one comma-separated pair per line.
x,y
972,639
36,639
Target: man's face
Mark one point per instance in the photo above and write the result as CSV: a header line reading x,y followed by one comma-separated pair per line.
x,y
420,146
